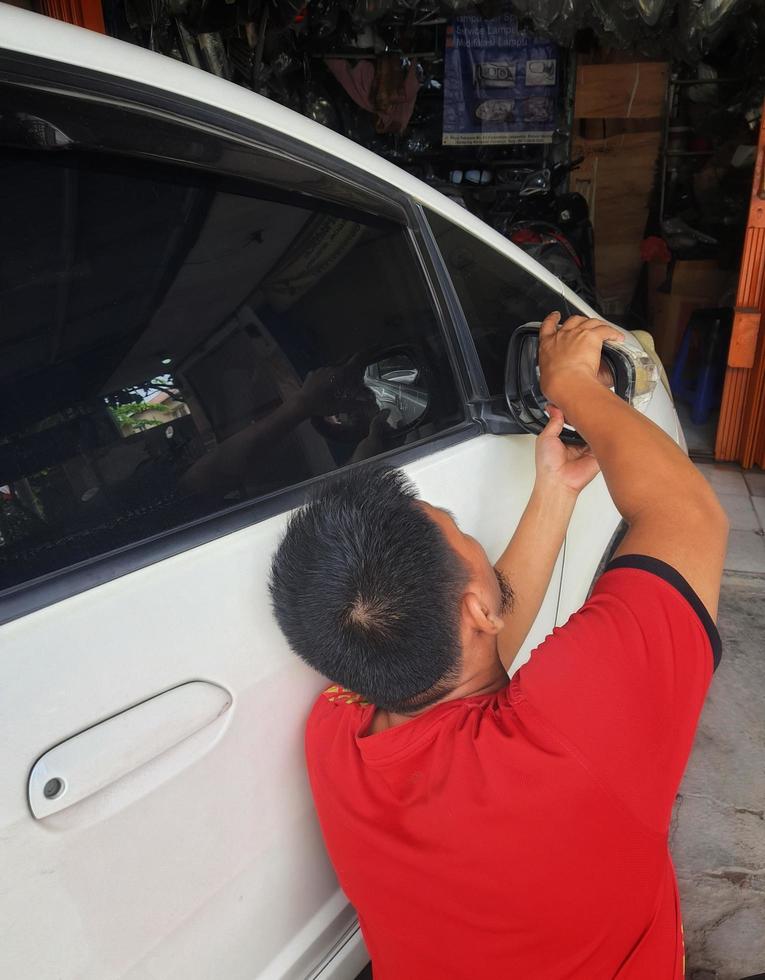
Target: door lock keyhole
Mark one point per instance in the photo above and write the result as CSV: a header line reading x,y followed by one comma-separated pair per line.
x,y
53,788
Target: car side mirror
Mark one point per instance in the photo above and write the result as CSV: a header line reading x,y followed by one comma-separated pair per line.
x,y
394,382
631,374
398,385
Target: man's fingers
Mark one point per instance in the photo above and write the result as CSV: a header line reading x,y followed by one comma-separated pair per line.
x,y
589,322
606,332
550,324
574,322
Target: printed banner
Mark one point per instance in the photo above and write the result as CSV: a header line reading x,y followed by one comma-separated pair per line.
x,y
500,84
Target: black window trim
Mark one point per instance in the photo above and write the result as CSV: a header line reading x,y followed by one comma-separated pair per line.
x,y
451,329
35,594
57,78
464,349
490,410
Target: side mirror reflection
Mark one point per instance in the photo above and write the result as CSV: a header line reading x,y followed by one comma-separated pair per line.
x,y
389,394
396,384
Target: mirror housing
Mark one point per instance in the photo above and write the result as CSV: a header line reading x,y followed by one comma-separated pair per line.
x,y
634,376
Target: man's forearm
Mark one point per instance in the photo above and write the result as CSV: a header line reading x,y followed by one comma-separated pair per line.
x,y
529,560
672,512
643,467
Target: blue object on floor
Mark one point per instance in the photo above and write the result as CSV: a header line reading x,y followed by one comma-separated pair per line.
x,y
699,368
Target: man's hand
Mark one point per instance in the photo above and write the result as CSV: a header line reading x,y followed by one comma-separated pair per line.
x,y
568,468
571,353
670,508
374,442
327,390
320,393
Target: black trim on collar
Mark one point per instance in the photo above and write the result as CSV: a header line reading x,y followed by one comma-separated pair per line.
x,y
670,575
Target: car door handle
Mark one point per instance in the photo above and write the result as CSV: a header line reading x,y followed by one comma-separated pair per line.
x,y
100,755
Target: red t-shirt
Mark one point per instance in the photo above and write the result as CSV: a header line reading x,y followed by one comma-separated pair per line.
x,y
523,834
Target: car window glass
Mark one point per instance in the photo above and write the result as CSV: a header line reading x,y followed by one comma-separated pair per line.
x,y
496,295
175,344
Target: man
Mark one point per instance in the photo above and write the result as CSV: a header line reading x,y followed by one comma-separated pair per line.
x,y
492,828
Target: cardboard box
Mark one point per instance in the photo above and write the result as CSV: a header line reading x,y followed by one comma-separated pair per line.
x,y
694,285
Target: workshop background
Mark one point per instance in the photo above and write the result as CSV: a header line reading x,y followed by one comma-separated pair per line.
x,y
615,140
621,143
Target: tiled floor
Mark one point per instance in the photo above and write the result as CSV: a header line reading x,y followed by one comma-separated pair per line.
x,y
742,494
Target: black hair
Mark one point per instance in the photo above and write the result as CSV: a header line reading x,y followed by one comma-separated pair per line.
x,y
367,590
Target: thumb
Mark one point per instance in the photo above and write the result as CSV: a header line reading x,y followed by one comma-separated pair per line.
x,y
555,426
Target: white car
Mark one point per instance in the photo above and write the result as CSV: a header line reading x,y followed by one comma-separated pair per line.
x,y
194,280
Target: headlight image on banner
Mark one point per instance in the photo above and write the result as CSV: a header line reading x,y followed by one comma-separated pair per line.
x,y
500,83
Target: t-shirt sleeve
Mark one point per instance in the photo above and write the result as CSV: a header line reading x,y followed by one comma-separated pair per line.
x,y
623,682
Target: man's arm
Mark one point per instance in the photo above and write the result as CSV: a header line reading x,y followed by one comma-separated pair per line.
x,y
671,510
529,559
528,562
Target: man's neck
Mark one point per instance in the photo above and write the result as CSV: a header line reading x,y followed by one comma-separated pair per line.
x,y
487,682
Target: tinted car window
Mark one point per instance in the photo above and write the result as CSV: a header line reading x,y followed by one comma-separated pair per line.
x,y
496,294
176,343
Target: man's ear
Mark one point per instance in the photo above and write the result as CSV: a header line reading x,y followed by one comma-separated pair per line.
x,y
478,615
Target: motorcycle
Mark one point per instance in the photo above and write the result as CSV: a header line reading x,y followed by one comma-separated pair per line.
x,y
552,227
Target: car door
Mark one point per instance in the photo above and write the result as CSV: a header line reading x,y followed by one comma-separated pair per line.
x,y
189,314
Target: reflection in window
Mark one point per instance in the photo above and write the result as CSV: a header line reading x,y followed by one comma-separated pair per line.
x,y
174,344
157,402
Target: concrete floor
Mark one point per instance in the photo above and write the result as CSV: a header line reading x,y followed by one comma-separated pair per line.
x,y
718,829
